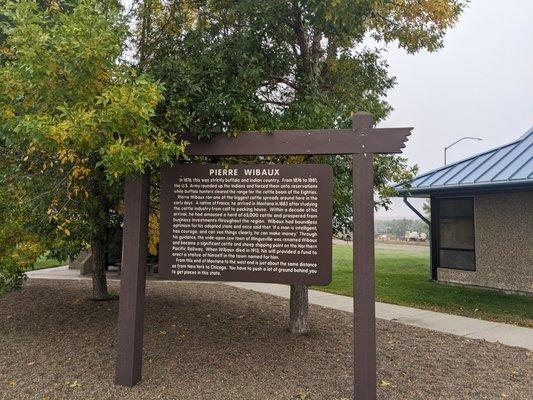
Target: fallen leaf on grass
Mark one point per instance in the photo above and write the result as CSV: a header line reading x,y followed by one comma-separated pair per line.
x,y
74,384
31,363
12,384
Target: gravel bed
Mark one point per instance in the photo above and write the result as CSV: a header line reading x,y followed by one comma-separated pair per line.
x,y
211,341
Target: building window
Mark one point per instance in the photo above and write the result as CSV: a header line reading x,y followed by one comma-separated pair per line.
x,y
456,234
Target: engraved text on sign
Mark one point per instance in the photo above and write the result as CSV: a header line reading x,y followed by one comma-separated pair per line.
x,y
261,223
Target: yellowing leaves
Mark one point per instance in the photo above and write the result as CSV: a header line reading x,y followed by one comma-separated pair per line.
x,y
66,156
58,133
75,99
153,232
295,159
79,172
383,384
75,121
416,24
26,251
73,385
8,112
64,229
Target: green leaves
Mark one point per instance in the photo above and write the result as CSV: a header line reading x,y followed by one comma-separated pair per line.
x,y
232,66
75,118
67,88
415,24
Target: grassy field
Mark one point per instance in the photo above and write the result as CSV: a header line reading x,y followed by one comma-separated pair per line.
x,y
45,262
402,278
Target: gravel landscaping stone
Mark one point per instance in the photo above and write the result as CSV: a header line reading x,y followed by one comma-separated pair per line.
x,y
211,341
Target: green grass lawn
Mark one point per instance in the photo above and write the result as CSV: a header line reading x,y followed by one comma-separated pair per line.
x,y
45,262
402,278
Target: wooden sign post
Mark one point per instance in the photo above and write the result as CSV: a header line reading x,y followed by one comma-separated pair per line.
x,y
364,271
132,281
362,141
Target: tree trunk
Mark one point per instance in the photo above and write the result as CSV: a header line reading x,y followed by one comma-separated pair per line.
x,y
299,301
98,249
299,306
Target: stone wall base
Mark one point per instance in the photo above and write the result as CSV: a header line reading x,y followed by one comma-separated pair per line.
x,y
83,262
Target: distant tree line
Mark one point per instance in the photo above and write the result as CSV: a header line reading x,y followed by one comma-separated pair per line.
x,y
398,227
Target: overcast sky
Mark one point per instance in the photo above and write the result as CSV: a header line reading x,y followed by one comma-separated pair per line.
x,y
480,84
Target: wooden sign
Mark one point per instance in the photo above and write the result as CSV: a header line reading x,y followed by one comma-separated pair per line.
x,y
189,240
252,223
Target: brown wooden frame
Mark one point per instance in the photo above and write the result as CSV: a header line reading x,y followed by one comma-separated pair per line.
x,y
362,141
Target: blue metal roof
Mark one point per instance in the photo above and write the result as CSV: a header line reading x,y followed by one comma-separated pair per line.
x,y
508,166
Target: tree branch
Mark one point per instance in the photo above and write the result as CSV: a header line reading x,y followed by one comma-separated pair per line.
x,y
300,31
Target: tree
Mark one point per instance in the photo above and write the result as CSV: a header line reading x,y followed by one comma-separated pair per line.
x,y
284,64
75,118
398,227
18,246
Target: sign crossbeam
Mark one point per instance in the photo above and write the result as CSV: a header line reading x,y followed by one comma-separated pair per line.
x,y
300,142
362,141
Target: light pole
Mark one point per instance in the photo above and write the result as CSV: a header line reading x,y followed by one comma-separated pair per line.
x,y
457,141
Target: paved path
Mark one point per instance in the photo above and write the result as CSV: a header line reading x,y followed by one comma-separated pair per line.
x,y
456,325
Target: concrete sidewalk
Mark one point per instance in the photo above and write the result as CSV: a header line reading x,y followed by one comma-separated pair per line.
x,y
510,335
456,325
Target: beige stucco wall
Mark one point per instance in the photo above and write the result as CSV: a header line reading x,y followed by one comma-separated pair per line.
x,y
504,244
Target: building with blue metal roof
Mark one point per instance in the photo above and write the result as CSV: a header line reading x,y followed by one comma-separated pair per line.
x,y
482,217
503,168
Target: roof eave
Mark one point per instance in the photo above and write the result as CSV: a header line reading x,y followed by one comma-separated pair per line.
x,y
467,189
